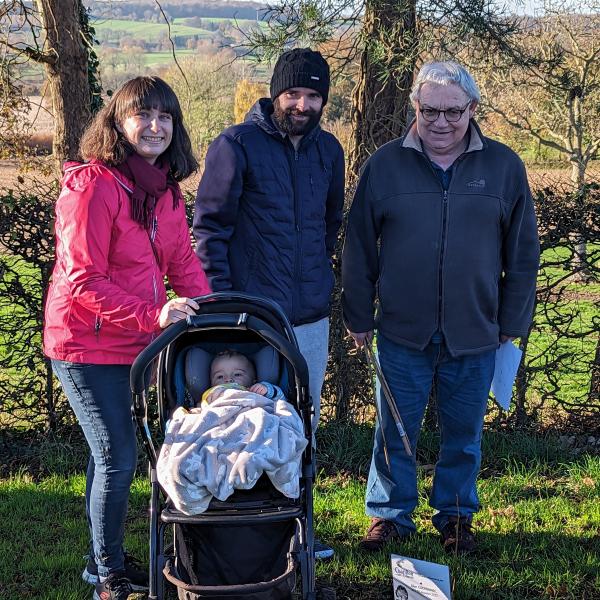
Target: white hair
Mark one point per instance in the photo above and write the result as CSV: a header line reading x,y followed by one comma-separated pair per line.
x,y
445,73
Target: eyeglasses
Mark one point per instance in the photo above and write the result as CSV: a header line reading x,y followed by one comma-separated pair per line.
x,y
452,115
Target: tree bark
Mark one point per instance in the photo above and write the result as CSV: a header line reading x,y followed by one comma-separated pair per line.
x,y
67,76
579,263
380,100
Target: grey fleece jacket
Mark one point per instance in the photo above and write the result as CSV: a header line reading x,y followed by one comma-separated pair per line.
x,y
463,262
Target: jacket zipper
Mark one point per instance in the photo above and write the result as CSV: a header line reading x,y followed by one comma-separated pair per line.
x,y
443,243
441,263
293,168
152,238
97,325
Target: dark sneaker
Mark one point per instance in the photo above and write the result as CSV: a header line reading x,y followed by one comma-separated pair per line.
x,y
457,536
322,551
380,532
137,575
115,587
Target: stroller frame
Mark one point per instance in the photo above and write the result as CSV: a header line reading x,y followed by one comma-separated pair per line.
x,y
227,311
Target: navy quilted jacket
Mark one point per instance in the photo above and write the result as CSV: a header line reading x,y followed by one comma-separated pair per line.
x,y
267,216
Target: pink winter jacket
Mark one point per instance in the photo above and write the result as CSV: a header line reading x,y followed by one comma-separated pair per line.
x,y
107,287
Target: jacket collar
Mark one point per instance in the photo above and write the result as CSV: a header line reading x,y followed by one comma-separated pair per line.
x,y
260,114
412,140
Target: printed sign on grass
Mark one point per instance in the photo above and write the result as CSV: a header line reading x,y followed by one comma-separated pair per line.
x,y
419,580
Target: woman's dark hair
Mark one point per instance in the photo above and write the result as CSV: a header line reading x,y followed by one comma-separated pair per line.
x,y
102,141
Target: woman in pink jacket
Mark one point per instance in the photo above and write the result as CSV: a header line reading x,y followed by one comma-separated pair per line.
x,y
120,228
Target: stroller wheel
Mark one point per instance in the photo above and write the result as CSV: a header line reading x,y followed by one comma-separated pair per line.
x,y
326,593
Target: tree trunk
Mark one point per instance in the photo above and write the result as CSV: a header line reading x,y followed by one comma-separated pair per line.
x,y
67,76
380,100
579,263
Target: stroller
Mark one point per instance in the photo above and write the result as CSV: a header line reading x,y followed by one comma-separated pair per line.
x,y
251,546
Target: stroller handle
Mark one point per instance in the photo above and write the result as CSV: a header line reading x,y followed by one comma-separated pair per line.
x,y
251,300
216,321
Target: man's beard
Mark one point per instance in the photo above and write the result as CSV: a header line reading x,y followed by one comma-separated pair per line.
x,y
283,119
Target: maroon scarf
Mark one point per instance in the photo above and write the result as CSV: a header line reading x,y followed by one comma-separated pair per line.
x,y
150,183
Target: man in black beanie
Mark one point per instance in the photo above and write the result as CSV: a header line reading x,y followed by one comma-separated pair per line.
x,y
269,207
296,113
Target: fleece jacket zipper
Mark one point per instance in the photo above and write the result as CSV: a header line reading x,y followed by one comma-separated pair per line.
x,y
441,262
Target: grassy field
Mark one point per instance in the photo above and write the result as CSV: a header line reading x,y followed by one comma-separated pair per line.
x,y
147,31
161,59
538,529
154,31
242,23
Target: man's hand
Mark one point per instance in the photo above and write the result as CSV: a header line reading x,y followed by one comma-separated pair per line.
x,y
360,339
506,338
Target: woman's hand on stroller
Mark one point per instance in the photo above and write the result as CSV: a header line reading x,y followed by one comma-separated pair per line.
x,y
175,310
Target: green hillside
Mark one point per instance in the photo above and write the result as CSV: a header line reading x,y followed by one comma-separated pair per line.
x,y
145,30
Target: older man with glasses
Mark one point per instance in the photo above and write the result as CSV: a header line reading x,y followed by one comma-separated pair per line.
x,y
442,238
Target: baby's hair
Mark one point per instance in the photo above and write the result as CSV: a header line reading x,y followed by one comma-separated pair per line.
x,y
229,353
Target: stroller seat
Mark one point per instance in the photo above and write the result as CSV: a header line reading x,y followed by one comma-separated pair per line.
x,y
196,456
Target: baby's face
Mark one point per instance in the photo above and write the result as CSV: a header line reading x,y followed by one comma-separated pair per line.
x,y
231,369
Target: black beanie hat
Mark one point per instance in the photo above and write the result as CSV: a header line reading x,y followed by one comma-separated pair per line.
x,y
301,67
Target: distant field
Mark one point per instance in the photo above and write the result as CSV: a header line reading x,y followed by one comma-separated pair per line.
x,y
240,22
156,59
154,31
149,31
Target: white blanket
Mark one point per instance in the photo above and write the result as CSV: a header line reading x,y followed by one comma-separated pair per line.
x,y
227,445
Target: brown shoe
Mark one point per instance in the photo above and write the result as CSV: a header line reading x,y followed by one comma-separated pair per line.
x,y
457,536
380,532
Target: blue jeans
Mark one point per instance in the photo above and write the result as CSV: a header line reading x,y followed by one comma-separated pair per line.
x,y
462,386
101,400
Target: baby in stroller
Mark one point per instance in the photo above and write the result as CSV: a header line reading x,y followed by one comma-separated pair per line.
x,y
241,430
233,370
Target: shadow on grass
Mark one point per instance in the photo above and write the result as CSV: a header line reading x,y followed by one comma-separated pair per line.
x,y
42,454
346,448
342,448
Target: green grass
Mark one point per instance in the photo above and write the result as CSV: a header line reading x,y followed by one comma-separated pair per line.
x,y
538,529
